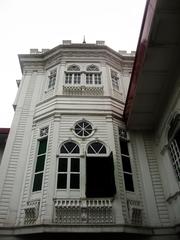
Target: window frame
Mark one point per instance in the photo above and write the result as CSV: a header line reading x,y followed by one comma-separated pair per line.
x,y
83,137
97,154
73,75
115,80
42,137
52,77
123,137
68,191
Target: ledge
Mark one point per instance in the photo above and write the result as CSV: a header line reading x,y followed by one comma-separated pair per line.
x,y
65,229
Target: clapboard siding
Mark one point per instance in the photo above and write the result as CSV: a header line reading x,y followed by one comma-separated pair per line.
x,y
137,176
8,185
156,181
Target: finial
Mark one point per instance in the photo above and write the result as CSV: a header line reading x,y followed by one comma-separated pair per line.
x,y
84,41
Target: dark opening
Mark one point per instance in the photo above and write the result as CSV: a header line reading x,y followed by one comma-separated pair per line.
x,y
126,164
124,147
40,163
100,177
74,164
37,182
62,181
74,181
62,167
128,182
42,146
177,137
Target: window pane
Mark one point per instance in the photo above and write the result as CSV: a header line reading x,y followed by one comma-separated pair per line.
x,y
87,133
126,164
62,181
40,163
63,150
78,132
74,164
70,146
42,146
62,165
128,182
76,149
90,150
74,181
103,150
96,146
37,182
124,147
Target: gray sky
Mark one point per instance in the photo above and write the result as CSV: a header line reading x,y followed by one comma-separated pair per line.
x,y
26,24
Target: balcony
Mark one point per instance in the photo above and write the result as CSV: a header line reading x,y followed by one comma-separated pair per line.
x,y
83,211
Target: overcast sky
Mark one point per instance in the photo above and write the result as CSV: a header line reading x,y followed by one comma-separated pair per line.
x,y
26,24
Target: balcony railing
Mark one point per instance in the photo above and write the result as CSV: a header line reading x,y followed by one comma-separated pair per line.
x,y
83,90
83,211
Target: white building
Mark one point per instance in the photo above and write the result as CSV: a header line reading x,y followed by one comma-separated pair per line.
x,y
83,162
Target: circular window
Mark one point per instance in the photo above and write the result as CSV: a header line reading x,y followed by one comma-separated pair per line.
x,y
83,128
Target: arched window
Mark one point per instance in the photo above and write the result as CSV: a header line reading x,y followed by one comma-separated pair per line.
x,y
96,148
99,171
73,76
69,147
174,144
68,177
93,76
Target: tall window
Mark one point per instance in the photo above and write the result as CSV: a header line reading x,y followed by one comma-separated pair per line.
x,y
40,161
99,171
93,76
126,163
174,144
115,80
73,76
69,167
52,78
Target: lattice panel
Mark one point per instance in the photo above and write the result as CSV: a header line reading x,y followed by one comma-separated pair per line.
x,y
83,90
135,212
83,211
31,212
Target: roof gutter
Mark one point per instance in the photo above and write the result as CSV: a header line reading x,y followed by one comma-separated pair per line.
x,y
140,56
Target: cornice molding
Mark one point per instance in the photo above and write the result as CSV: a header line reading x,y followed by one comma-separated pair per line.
x,y
93,53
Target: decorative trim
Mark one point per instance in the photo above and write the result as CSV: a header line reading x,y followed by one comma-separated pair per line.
x,y
83,90
31,211
86,211
83,129
135,211
44,131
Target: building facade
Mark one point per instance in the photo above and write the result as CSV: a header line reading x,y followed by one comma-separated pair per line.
x,y
89,156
